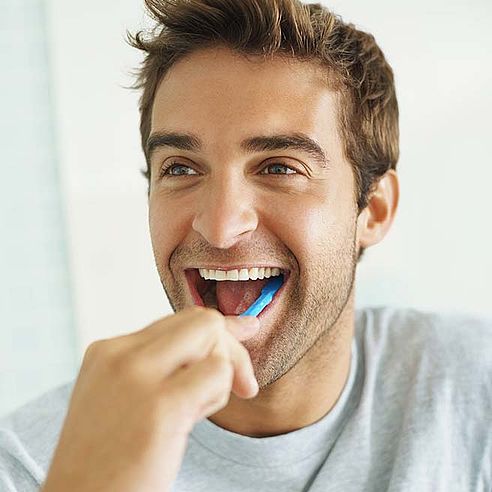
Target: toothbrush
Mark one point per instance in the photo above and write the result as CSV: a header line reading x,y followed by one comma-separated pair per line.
x,y
265,297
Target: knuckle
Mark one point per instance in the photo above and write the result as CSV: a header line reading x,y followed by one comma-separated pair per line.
x,y
203,319
93,349
216,404
212,316
101,356
108,357
196,309
96,350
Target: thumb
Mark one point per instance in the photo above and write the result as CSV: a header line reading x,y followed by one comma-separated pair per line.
x,y
242,327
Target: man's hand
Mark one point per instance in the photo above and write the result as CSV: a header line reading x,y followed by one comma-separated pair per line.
x,y
138,396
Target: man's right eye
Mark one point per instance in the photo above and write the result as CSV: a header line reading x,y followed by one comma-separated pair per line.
x,y
167,170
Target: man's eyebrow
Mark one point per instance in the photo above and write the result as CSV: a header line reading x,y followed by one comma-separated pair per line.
x,y
294,141
261,143
182,141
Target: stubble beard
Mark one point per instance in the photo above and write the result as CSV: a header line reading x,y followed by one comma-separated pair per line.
x,y
309,314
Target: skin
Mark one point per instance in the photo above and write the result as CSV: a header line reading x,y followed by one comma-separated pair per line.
x,y
232,207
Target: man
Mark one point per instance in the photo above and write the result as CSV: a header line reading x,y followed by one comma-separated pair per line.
x,y
270,130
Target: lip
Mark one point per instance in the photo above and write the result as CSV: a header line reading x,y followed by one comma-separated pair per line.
x,y
191,278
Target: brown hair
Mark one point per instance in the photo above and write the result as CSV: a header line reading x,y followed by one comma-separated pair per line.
x,y
356,66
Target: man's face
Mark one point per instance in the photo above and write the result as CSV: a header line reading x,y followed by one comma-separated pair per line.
x,y
226,205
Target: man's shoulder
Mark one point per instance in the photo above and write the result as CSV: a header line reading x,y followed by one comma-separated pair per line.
x,y
429,348
446,334
427,389
447,331
29,434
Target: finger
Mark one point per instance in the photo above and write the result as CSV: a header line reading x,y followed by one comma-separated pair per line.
x,y
138,338
229,348
201,389
242,327
221,343
244,383
182,341
184,338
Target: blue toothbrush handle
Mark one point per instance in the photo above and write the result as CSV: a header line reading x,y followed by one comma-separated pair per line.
x,y
257,307
265,298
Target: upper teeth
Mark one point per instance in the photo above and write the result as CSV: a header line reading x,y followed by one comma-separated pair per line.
x,y
243,274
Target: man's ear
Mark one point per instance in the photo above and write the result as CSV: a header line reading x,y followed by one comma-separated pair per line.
x,y
375,220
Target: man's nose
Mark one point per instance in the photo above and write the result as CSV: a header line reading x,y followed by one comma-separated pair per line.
x,y
225,212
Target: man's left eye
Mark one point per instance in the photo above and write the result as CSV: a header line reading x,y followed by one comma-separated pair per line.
x,y
279,166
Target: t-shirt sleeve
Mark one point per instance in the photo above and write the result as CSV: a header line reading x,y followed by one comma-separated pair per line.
x,y
28,438
18,471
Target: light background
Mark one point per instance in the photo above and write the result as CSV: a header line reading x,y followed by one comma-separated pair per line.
x,y
75,255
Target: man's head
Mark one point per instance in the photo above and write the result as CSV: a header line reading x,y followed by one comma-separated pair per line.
x,y
270,130
351,61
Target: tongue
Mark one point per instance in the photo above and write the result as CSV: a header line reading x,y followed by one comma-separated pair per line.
x,y
233,298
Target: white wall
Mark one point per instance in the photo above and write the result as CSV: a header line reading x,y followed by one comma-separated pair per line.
x,y
116,288
436,256
37,345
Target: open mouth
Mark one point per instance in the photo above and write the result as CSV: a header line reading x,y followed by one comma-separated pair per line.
x,y
235,296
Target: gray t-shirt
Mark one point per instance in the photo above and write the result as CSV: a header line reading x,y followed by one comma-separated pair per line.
x,y
415,415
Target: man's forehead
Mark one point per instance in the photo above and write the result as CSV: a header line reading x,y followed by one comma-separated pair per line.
x,y
195,109
225,79
221,60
